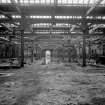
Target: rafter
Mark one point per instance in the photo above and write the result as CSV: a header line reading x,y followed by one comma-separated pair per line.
x,y
2,24
93,7
94,28
8,16
5,14
88,2
16,5
73,27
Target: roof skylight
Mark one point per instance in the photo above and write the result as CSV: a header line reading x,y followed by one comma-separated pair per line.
x,y
16,16
2,16
5,1
51,2
44,17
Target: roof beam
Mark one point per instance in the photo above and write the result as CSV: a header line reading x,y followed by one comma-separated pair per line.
x,y
70,21
93,6
61,34
93,29
90,10
2,24
8,16
55,34
53,15
48,28
88,2
60,10
5,14
17,7
73,27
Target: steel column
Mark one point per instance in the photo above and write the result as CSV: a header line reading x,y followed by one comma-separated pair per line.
x,y
22,48
84,51
85,32
32,52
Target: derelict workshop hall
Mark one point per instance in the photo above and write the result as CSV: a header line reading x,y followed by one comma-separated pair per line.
x,y
52,52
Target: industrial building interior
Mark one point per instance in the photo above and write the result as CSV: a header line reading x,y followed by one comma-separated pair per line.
x,y
52,52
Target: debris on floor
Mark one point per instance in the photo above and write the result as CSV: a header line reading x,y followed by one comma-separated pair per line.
x,y
53,84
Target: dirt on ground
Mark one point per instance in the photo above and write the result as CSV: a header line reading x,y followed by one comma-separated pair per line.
x,y
53,84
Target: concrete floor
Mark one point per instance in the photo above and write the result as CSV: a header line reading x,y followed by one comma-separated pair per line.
x,y
53,84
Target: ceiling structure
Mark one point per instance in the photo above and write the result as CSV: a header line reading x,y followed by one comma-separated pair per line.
x,y
53,17
52,23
